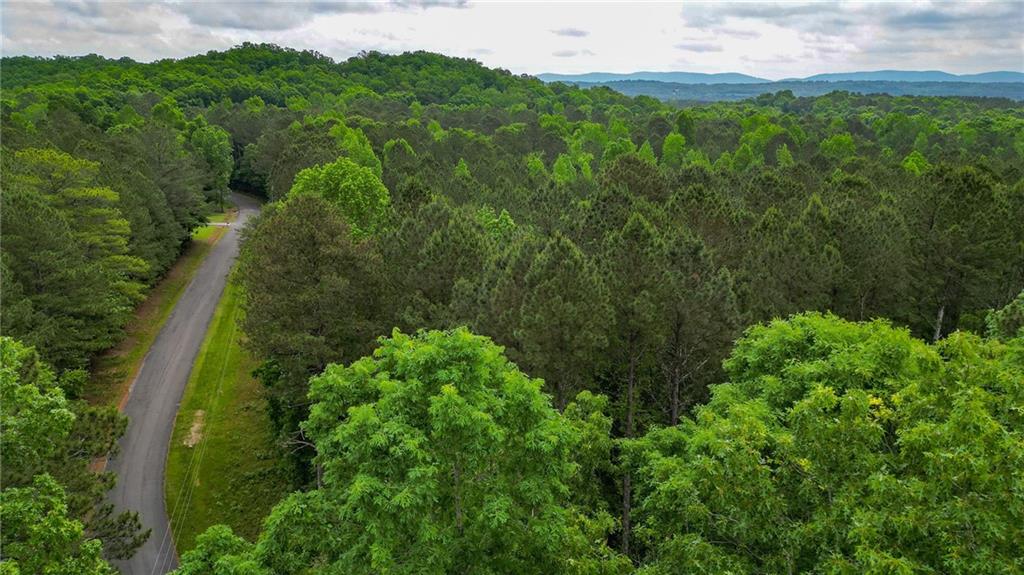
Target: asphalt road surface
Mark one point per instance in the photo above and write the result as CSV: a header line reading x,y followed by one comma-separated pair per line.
x,y
154,398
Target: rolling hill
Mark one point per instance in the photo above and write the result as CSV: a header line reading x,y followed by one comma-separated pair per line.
x,y
676,77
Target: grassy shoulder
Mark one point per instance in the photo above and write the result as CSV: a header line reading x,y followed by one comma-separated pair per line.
x,y
113,371
223,465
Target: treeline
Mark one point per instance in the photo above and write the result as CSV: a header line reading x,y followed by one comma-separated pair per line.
x,y
614,248
628,258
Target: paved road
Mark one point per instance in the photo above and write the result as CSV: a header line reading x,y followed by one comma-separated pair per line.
x,y
154,398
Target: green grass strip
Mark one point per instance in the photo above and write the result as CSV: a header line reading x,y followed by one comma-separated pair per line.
x,y
223,465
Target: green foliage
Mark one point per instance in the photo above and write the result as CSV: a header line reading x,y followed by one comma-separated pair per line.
x,y
838,147
646,153
616,148
40,537
214,146
499,226
563,171
254,104
34,411
167,113
462,169
963,237
916,163
701,320
218,551
355,190
858,449
406,440
482,209
66,252
1008,322
564,318
784,157
673,150
535,166
51,503
743,158
340,283
352,142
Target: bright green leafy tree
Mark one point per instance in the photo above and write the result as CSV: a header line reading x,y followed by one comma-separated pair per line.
x,y
673,150
408,442
355,190
842,448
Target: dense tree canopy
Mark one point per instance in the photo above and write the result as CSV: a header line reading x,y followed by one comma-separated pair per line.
x,y
612,246
841,447
437,455
49,504
357,192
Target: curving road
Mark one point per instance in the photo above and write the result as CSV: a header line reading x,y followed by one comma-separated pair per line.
x,y
154,397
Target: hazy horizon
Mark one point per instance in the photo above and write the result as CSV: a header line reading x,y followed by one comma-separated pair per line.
x,y
773,42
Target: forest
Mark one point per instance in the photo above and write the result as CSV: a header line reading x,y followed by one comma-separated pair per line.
x,y
506,326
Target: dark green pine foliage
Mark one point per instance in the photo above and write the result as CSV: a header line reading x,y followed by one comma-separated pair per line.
x,y
815,263
400,163
701,318
312,297
290,151
634,260
174,171
500,315
794,267
877,261
455,250
564,319
764,267
60,302
156,234
962,238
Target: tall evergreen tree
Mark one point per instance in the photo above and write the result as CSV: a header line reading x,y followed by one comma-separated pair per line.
x,y
701,317
962,243
310,297
564,318
634,259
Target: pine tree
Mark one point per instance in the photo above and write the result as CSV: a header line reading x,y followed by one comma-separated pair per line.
x,y
564,318
634,260
311,297
701,317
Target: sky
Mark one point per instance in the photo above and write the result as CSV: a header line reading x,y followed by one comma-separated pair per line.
x,y
769,40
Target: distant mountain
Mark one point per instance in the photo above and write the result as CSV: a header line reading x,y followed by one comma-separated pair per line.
x,y
679,92
674,77
912,76
735,78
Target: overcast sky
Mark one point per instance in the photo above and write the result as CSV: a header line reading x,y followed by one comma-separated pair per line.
x,y
771,40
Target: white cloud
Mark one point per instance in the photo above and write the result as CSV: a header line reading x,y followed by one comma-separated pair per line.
x,y
571,32
699,46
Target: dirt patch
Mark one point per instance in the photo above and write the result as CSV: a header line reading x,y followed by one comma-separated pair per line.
x,y
195,433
